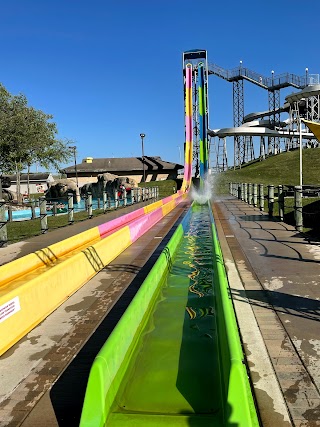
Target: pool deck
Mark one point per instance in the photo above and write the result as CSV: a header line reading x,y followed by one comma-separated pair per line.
x,y
273,274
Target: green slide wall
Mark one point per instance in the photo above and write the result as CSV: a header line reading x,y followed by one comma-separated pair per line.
x,y
239,408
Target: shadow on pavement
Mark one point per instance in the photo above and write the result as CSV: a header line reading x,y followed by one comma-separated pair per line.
x,y
282,302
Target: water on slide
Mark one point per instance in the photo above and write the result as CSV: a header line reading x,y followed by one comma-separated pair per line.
x,y
174,369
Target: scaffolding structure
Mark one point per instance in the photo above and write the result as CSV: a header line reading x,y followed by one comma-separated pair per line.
x,y
243,145
303,105
275,135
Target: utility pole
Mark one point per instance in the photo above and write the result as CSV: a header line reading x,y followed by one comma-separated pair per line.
x,y
142,135
74,148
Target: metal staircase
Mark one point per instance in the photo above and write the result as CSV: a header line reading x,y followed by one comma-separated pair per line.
x,y
272,83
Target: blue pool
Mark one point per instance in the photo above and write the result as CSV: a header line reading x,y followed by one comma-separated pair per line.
x,y
26,213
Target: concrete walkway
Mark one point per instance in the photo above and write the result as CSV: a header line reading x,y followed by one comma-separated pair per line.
x,y
279,270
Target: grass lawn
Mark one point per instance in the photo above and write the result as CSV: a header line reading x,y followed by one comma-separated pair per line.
x,y
280,169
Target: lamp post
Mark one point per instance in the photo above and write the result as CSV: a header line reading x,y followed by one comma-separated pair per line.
x,y
74,148
142,135
300,152
307,72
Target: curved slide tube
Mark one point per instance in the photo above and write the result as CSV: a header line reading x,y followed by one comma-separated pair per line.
x,y
203,122
189,129
229,391
189,87
46,278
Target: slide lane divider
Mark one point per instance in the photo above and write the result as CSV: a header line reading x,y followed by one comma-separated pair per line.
x,y
202,123
47,288
187,177
240,407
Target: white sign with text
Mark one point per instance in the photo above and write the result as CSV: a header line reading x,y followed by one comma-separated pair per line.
x,y
9,308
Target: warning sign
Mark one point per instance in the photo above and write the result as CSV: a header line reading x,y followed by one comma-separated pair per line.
x,y
9,308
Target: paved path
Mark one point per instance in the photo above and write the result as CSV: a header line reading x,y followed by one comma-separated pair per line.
x,y
280,272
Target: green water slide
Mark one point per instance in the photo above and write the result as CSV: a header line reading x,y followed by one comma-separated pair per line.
x,y
175,357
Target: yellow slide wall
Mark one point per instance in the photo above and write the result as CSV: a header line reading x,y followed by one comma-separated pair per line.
x,y
36,299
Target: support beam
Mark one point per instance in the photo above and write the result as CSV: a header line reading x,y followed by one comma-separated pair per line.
x,y
238,114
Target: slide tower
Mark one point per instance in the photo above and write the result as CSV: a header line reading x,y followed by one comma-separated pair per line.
x,y
195,71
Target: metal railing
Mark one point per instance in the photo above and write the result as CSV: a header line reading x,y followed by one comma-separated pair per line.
x,y
41,209
255,195
271,83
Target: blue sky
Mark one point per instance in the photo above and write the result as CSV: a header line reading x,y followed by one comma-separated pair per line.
x,y
109,70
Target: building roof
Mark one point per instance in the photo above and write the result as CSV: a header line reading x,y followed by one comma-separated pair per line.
x,y
123,164
33,176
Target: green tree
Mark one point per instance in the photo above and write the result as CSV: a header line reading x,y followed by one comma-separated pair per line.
x,y
27,136
13,130
44,148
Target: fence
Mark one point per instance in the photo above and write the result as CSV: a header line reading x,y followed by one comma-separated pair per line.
x,y
265,198
40,209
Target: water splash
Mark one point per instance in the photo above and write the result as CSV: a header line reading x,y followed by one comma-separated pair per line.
x,y
204,193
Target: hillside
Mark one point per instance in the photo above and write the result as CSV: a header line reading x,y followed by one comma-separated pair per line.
x,y
280,169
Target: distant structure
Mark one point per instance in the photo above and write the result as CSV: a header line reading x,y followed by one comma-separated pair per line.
x,y
37,182
155,169
276,135
195,80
